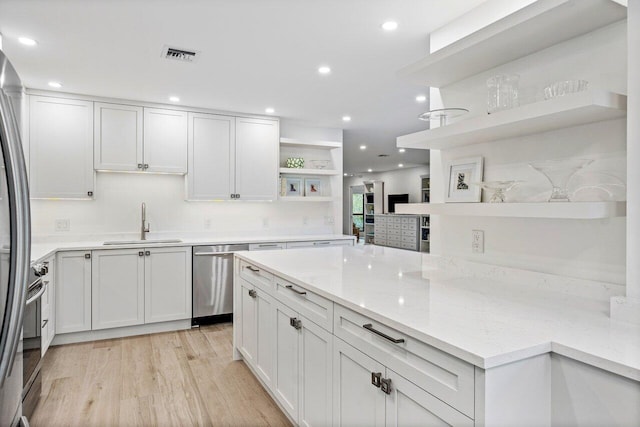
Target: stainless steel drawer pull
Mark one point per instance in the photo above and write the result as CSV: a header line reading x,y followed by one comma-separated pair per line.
x,y
385,385
375,378
321,243
252,293
255,270
369,327
291,288
268,245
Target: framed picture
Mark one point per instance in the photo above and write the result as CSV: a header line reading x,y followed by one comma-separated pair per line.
x,y
293,187
463,173
312,187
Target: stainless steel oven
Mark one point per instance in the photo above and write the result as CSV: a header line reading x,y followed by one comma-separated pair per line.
x,y
31,340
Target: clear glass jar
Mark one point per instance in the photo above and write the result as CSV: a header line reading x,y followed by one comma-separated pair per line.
x,y
502,92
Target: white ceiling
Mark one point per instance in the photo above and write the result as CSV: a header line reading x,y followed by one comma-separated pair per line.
x,y
255,54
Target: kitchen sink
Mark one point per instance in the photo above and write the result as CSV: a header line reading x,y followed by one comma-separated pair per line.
x,y
141,242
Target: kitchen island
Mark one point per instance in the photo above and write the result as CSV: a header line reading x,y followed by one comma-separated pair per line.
x,y
417,336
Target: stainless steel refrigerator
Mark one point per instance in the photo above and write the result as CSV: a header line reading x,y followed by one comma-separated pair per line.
x,y
15,244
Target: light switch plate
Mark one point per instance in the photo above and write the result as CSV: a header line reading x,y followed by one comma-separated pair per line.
x,y
477,241
63,224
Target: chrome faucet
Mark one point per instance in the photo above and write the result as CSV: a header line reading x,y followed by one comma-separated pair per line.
x,y
145,225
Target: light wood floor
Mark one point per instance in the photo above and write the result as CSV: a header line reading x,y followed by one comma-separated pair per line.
x,y
179,378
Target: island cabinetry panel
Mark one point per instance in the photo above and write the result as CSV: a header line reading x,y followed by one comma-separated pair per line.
x,y
442,375
165,141
117,288
256,275
118,137
307,303
60,148
73,292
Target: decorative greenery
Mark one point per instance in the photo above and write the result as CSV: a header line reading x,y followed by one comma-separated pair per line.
x,y
295,162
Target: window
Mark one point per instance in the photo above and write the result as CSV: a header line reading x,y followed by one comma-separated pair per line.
x,y
357,212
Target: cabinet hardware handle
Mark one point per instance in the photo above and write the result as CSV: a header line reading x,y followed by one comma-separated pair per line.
x,y
291,288
252,293
295,322
268,245
320,243
87,256
255,270
233,196
140,165
375,378
385,385
140,253
89,193
44,323
237,196
147,253
146,166
369,327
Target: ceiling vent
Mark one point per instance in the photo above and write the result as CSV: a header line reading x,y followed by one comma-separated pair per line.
x,y
178,54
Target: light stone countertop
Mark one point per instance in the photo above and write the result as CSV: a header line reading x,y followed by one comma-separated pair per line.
x,y
486,315
42,248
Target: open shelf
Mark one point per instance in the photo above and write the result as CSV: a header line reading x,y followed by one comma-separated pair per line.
x,y
321,145
538,26
306,199
560,112
295,171
568,210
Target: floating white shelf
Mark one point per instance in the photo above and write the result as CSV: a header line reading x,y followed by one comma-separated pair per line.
x,y
306,199
294,171
556,113
568,210
540,25
321,145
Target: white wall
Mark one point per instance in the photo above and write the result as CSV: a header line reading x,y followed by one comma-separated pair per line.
x,y
588,249
400,181
118,196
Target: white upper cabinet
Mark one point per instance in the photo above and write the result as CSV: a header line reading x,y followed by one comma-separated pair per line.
x,y
118,137
61,148
257,145
165,141
211,161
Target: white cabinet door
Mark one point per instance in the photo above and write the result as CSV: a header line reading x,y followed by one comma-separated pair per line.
x,y
61,148
409,405
45,310
211,162
356,401
286,375
256,161
117,288
265,350
248,344
316,359
73,292
167,284
117,137
165,140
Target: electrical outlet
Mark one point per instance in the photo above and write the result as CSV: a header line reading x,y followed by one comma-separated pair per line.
x,y
477,241
305,220
328,220
265,222
63,224
207,224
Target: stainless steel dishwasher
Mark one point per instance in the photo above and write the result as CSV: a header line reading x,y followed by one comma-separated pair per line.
x,y
213,283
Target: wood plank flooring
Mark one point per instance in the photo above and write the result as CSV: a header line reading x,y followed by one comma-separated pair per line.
x,y
182,378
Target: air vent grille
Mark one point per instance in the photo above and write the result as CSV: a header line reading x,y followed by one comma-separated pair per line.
x,y
179,54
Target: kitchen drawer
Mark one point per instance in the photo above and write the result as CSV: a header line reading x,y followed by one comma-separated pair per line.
x,y
381,219
397,226
394,232
410,246
444,376
256,276
406,221
409,233
379,241
310,305
267,246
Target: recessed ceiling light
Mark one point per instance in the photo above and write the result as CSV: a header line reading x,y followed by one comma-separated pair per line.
x,y
269,110
421,98
363,147
369,170
27,41
346,118
390,26
400,165
56,85
324,70
346,174
174,99
401,150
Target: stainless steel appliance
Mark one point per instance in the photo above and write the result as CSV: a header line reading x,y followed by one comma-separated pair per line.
x,y
213,283
15,244
32,341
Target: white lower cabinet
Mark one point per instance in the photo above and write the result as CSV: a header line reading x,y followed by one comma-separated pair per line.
x,y
287,372
73,292
47,307
117,288
167,284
